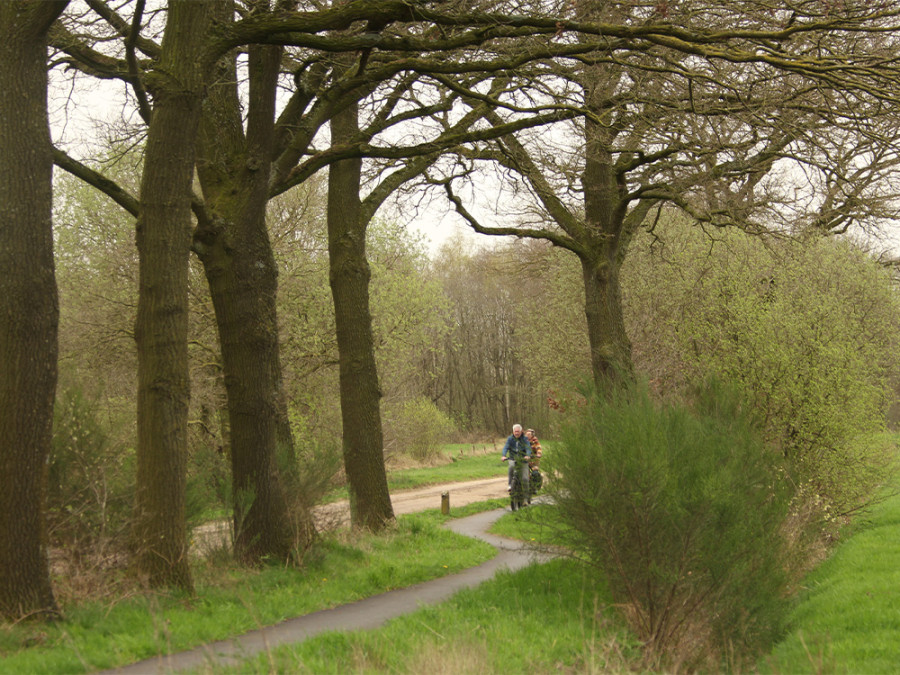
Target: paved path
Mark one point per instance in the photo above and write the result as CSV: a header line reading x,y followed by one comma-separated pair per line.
x,y
365,614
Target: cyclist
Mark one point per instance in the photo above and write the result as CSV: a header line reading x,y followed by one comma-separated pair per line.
x,y
517,447
534,471
535,448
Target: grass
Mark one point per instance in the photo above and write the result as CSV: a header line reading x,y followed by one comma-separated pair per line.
x,y
848,617
455,463
846,621
545,618
231,601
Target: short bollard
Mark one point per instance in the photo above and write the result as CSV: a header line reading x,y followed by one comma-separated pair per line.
x,y
445,503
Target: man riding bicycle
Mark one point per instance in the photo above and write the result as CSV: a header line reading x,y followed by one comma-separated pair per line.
x,y
517,448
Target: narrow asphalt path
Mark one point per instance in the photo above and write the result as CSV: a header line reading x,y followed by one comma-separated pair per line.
x,y
365,614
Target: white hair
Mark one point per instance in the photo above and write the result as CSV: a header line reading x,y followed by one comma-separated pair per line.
x,y
517,426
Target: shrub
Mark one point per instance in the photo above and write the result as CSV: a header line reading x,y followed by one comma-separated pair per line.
x,y
807,330
306,482
416,427
90,478
682,510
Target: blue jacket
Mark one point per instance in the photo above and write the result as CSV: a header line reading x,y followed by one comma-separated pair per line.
x,y
517,447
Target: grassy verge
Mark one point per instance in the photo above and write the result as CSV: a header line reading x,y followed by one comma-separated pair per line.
x,y
847,620
230,601
848,617
545,618
456,463
533,524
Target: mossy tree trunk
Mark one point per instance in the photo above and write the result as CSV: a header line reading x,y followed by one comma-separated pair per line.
x,y
604,241
234,246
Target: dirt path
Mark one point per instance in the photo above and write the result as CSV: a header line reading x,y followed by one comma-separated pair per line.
x,y
211,536
421,499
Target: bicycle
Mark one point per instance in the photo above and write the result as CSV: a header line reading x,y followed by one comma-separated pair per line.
x,y
519,494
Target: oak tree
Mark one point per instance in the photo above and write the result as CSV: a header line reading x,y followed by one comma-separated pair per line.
x,y
28,307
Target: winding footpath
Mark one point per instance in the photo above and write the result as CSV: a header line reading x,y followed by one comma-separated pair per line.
x,y
362,615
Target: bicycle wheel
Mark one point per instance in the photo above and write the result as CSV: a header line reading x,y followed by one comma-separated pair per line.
x,y
516,493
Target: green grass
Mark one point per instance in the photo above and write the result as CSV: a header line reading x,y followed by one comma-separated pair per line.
x,y
533,524
231,601
552,617
848,616
846,620
547,617
458,467
456,463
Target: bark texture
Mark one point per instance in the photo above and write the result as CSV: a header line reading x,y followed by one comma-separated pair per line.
x,y
236,253
349,274
163,240
29,308
604,242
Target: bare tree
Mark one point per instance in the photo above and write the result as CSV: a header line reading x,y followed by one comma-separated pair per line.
x,y
709,115
671,64
481,377
242,163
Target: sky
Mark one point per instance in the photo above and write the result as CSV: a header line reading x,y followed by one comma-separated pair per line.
x,y
82,113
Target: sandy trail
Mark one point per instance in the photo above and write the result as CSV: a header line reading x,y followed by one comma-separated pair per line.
x,y
217,535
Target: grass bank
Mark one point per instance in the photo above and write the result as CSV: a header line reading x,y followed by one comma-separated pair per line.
x,y
552,617
455,462
547,618
557,617
847,619
230,600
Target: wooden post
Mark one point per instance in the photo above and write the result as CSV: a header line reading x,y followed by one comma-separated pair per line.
x,y
445,503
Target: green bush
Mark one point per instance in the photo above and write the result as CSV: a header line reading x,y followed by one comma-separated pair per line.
x,y
417,428
306,482
806,329
90,478
682,509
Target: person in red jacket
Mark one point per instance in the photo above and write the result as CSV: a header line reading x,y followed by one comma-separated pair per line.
x,y
535,448
535,479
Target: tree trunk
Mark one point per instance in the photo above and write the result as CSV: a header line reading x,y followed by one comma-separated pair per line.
x,y
363,443
29,308
610,346
163,241
243,280
606,240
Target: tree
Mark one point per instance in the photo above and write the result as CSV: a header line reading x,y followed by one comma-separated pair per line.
x,y
707,115
483,379
370,502
163,242
805,329
28,305
231,240
236,168
383,40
